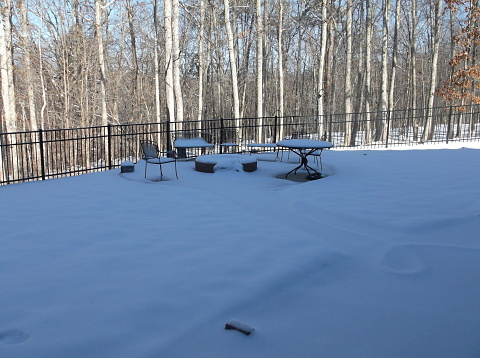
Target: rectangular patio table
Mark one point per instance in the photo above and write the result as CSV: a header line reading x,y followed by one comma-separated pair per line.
x,y
303,148
182,144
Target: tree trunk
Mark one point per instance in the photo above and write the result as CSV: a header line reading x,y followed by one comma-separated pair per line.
x,y
233,62
28,67
201,61
157,62
329,84
394,56
6,67
259,69
170,95
368,71
348,76
135,98
101,59
176,65
413,66
436,10
8,90
280,69
321,72
381,130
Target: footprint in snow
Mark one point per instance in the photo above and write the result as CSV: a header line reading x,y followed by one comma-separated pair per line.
x,y
13,336
401,260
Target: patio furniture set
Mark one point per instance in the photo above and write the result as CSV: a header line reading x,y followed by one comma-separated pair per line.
x,y
303,148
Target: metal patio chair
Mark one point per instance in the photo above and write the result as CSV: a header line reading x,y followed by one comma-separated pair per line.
x,y
151,155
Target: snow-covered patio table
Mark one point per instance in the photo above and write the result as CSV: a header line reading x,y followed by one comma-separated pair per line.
x,y
303,148
182,144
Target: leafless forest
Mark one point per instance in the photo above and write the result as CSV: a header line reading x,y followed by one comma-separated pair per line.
x,y
79,63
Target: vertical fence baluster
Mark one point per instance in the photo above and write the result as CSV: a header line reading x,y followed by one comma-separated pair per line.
x,y
388,129
109,143
330,128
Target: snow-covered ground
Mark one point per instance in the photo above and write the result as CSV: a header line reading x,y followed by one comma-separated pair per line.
x,y
379,259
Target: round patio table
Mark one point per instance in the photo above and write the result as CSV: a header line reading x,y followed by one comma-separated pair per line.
x,y
303,148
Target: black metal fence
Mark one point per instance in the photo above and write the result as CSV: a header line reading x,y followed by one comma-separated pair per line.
x,y
54,153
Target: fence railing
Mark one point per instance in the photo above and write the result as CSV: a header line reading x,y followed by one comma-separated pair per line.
x,y
54,153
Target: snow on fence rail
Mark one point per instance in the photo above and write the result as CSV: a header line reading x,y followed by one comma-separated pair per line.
x,y
53,153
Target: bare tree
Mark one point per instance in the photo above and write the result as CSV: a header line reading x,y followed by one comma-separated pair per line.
x,y
201,60
28,66
134,93
413,63
169,59
176,63
259,68
381,131
393,72
6,67
436,11
233,61
368,70
348,74
280,68
157,61
99,17
321,69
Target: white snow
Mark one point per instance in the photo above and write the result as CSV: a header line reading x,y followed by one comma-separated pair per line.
x,y
379,259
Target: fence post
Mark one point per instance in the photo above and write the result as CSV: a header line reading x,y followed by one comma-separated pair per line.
x,y
169,131
42,153
330,128
109,145
449,126
275,129
222,134
388,128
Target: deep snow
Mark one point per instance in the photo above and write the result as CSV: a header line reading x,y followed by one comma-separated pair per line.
x,y
379,259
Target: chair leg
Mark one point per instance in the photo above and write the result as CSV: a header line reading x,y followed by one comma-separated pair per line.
x,y
161,172
176,173
146,163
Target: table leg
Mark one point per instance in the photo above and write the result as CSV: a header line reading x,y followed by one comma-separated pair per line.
x,y
304,163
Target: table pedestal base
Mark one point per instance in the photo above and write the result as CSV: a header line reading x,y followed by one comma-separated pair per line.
x,y
313,174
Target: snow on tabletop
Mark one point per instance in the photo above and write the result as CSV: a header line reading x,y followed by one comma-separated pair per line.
x,y
191,143
379,259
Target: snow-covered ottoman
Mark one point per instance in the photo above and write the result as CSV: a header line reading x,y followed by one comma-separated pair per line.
x,y
213,162
127,167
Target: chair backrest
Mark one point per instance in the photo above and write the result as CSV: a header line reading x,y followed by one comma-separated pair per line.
x,y
150,149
